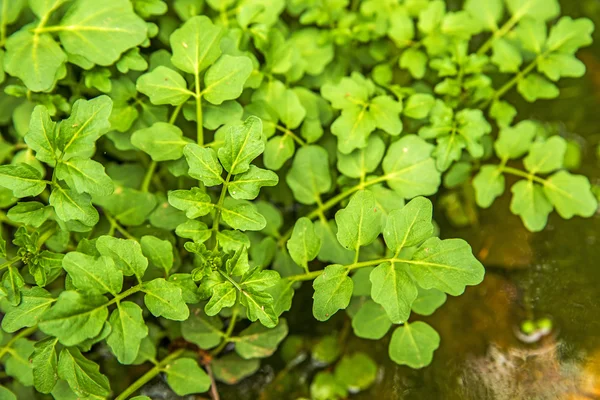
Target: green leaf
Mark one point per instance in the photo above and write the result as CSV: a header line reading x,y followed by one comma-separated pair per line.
x,y
194,202
386,113
22,179
571,195
539,9
126,254
195,230
304,244
447,265
530,203
164,299
532,34
34,58
357,371
159,252
546,156
514,142
34,301
31,213
185,377
101,32
289,108
568,35
256,341
309,176
413,344
83,375
128,330
202,330
164,86
72,206
371,321
42,135
488,12
535,87
259,306
556,66
75,317
85,176
161,141
503,113
242,215
203,164
394,289
331,249
196,45
325,387
7,394
361,162
418,105
428,300
353,128
12,283
93,274
506,56
415,61
45,362
489,184
409,168
223,295
278,150
17,365
409,226
359,223
231,368
243,143
333,290
247,185
225,79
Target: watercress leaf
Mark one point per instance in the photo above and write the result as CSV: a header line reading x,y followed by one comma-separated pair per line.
x,y
288,107
362,161
539,9
75,317
418,105
196,45
242,215
259,306
360,222
128,330
324,386
7,394
195,230
532,34
489,184
488,12
185,377
371,321
126,254
34,301
164,299
353,128
506,56
84,376
164,86
194,202
12,283
243,143
162,141
72,206
410,225
23,179
85,176
515,141
225,79
89,120
247,185
413,344
568,35
257,341
202,330
556,66
534,87
304,244
409,169
278,150
394,289
159,252
203,164
347,93
415,61
45,362
333,290
223,295
42,135
356,371
331,249
217,115
309,176
231,368
546,156
571,195
128,206
17,365
35,58
530,203
428,300
447,265
93,274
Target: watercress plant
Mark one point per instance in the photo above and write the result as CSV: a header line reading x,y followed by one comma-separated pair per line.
x,y
173,171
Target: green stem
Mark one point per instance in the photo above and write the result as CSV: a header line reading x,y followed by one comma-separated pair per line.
x,y
499,33
199,128
25,332
517,78
218,207
288,132
148,176
122,231
148,376
527,175
228,333
122,295
175,114
10,262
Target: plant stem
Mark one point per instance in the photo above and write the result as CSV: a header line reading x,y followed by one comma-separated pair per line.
x,y
10,262
175,114
25,332
523,174
510,84
122,231
228,333
213,384
499,33
148,176
148,376
218,207
288,132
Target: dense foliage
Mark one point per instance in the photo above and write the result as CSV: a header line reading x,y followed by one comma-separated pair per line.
x,y
174,170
